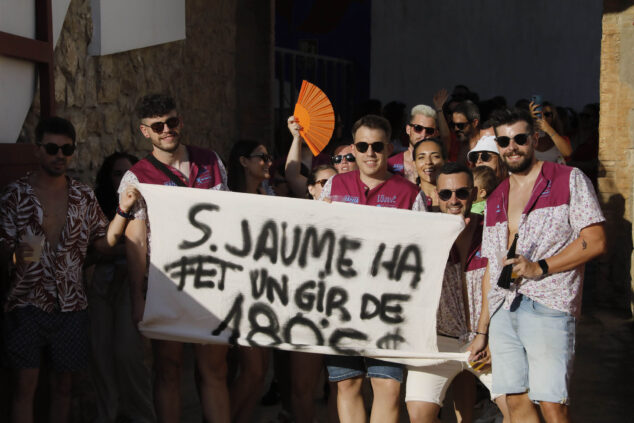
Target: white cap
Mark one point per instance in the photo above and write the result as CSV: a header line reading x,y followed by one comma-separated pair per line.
x,y
486,143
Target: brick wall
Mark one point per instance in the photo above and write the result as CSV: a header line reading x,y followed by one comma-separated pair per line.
x,y
206,73
616,148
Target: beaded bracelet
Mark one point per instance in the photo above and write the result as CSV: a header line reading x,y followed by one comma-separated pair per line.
x,y
125,215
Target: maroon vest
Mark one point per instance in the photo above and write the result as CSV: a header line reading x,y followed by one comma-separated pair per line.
x,y
204,171
397,192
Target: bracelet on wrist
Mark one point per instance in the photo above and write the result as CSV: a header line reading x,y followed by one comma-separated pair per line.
x,y
481,333
125,215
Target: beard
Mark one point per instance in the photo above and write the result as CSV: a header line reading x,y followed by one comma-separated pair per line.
x,y
55,168
171,149
522,165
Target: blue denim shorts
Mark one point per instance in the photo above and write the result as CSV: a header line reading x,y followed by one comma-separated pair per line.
x,y
342,367
532,349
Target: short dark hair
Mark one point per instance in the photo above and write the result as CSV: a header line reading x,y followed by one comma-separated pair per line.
x,y
488,178
506,116
54,125
373,122
451,168
154,105
468,109
435,140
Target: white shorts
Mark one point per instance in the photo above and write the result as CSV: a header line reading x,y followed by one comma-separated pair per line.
x,y
430,383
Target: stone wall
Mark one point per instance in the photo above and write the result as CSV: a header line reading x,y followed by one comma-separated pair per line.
x,y
98,93
616,147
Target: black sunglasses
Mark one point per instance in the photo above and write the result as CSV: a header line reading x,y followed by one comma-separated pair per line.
x,y
52,149
519,139
263,156
460,125
485,156
548,114
158,127
461,193
362,146
339,158
420,128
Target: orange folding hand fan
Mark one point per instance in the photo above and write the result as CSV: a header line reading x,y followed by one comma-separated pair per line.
x,y
316,117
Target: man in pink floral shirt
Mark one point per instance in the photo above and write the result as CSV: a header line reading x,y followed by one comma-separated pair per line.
x,y
47,223
555,212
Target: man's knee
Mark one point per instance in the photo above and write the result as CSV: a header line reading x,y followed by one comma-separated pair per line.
x,y
554,412
518,401
386,389
25,383
423,412
61,384
349,387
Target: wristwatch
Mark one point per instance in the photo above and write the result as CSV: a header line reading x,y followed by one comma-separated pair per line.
x,y
542,263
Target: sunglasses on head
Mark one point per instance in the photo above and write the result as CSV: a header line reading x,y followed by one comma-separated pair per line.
x,y
340,157
362,146
460,125
420,128
158,127
461,193
262,156
519,139
485,156
52,149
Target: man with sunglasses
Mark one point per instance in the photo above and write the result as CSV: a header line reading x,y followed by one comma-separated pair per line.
x,y
486,153
466,126
47,223
458,311
372,184
422,125
554,211
175,164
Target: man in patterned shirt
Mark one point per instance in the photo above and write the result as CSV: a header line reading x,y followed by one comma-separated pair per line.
x,y
422,125
458,310
176,164
555,212
47,223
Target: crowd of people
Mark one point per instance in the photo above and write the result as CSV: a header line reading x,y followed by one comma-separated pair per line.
x,y
503,170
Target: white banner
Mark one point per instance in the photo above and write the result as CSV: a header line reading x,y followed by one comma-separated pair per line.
x,y
295,274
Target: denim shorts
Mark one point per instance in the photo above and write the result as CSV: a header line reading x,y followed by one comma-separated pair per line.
x,y
532,349
342,367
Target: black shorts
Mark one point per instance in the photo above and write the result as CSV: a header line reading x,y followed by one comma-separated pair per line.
x,y
64,336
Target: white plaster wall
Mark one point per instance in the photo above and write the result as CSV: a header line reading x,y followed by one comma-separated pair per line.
x,y
122,25
17,77
495,47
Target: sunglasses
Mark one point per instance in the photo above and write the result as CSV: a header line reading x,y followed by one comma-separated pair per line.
x,y
321,182
339,158
461,193
262,156
485,156
420,128
52,149
362,146
519,139
460,125
158,127
548,114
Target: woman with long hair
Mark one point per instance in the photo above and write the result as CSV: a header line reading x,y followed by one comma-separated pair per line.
x,y
248,169
122,381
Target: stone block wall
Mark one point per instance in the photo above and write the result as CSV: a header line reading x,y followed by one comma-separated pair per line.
x,y
98,93
616,147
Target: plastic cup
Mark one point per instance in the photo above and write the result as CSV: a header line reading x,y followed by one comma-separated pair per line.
x,y
35,242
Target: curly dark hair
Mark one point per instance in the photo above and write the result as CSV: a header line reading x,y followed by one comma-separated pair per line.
x,y
54,125
155,105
